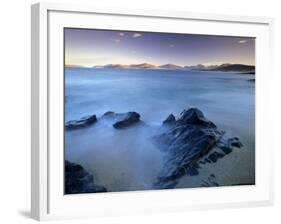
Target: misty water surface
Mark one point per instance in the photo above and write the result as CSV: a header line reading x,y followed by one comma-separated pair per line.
x,y
127,159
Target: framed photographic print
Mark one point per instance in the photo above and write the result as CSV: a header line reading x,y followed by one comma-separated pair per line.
x,y
148,111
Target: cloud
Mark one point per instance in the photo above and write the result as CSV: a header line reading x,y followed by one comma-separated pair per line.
x,y
171,45
121,34
136,35
242,41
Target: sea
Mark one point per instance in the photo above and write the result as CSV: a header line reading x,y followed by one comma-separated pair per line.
x,y
127,160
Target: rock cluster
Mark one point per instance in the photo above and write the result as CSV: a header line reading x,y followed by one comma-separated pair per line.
x,y
78,180
119,120
188,140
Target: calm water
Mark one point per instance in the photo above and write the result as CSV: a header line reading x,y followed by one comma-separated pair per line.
x,y
127,160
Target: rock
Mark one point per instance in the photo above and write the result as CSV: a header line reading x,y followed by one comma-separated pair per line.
x,y
226,149
78,180
227,146
207,160
122,120
169,120
215,156
108,114
234,142
126,120
189,142
194,170
83,123
193,116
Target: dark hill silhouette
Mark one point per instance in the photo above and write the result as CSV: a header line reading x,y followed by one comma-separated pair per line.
x,y
234,67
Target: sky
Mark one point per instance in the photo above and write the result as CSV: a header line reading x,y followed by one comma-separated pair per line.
x,y
91,47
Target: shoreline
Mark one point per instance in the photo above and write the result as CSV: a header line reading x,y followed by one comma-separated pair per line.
x,y
165,69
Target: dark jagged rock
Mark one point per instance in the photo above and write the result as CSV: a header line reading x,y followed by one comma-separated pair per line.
x,y
194,117
169,120
215,156
78,180
226,149
126,120
83,123
187,143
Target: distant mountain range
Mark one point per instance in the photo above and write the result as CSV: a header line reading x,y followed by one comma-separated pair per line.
x,y
170,66
234,67
227,67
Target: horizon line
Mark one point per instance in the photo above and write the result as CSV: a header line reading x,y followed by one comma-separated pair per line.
x,y
156,65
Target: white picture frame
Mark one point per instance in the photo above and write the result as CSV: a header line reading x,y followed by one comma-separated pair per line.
x,y
48,201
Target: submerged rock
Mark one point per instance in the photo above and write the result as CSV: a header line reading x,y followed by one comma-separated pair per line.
x,y
169,120
127,120
78,180
108,114
119,120
186,143
122,120
83,123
